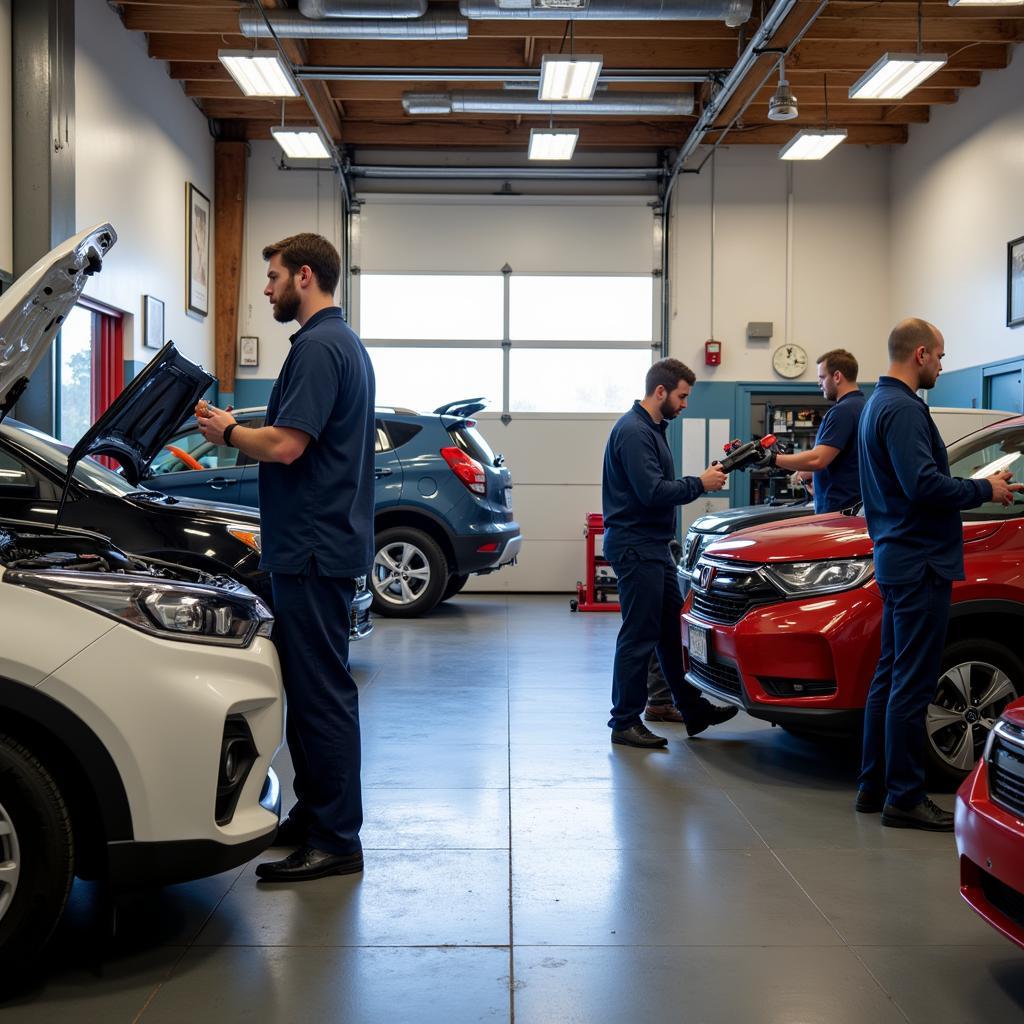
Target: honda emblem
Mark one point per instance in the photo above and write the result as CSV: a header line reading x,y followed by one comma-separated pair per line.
x,y
707,574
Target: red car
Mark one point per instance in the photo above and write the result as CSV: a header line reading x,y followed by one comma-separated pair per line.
x,y
990,828
785,619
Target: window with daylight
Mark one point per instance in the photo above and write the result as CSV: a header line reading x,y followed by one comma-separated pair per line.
x,y
558,343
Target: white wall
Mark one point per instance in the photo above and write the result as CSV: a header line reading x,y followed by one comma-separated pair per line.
x,y
139,140
279,203
838,244
957,199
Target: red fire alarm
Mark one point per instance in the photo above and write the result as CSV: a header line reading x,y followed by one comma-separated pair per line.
x,y
712,353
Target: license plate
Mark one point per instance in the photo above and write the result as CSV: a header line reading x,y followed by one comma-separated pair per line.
x,y
508,497
699,644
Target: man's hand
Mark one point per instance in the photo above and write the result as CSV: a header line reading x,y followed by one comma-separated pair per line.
x,y
713,478
212,421
1002,490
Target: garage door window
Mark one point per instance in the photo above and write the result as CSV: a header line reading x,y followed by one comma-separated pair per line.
x,y
546,343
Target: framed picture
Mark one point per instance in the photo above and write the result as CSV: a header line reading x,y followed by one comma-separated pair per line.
x,y
152,322
197,260
1015,282
248,351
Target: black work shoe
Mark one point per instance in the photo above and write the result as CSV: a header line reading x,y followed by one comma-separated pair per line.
x,y
868,801
926,815
706,714
638,736
291,833
309,862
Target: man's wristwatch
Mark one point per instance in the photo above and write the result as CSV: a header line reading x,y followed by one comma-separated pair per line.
x,y
227,434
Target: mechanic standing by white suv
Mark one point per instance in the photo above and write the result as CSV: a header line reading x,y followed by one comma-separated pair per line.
x,y
316,487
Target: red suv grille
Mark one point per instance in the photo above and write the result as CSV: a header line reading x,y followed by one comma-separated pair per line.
x,y
730,591
1006,776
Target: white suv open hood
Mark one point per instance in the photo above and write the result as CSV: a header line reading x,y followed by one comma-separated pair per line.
x,y
34,307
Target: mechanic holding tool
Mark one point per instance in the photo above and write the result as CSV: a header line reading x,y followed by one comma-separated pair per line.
x,y
316,505
833,459
912,506
639,494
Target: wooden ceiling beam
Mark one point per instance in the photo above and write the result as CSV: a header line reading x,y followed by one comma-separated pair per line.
x,y
839,117
855,55
902,32
932,9
812,92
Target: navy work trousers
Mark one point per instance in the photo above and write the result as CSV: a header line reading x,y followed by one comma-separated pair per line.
x,y
914,619
311,625
651,604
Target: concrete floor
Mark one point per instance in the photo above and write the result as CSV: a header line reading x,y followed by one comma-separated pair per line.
x,y
520,868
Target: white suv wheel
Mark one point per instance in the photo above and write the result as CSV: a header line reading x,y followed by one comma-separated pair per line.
x,y
10,861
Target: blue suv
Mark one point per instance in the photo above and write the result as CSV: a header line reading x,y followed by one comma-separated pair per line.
x,y
443,499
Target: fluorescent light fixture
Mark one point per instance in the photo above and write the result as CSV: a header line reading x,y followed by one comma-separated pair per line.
x,y
564,78
258,72
301,143
986,3
812,143
553,143
893,75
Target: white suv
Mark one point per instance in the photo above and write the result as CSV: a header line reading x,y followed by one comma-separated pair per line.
x,y
140,702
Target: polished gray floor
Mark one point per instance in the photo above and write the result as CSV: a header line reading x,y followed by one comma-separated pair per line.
x,y
520,868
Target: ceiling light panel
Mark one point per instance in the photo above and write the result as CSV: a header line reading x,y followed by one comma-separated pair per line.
x,y
553,143
812,144
894,75
564,78
986,3
258,73
301,143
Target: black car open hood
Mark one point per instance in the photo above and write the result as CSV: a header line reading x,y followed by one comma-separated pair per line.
x,y
730,520
142,418
34,307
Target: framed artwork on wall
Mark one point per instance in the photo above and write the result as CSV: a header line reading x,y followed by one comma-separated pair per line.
x,y
248,351
1015,282
197,251
152,322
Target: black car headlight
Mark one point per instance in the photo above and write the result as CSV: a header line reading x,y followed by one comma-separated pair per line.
x,y
193,612
806,579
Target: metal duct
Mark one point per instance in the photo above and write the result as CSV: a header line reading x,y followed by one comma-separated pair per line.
x,y
732,12
443,23
363,8
491,101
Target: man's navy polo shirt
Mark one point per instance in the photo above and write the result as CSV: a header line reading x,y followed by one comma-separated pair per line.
x,y
911,503
319,510
837,486
639,491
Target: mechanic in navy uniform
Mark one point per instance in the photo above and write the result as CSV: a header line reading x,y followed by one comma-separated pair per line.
x,y
316,488
912,506
833,460
639,495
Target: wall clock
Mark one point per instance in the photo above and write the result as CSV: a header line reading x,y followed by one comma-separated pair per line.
x,y
789,360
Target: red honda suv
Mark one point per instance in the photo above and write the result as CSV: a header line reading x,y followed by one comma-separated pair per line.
x,y
784,620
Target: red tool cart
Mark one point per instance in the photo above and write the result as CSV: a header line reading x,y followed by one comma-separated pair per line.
x,y
592,596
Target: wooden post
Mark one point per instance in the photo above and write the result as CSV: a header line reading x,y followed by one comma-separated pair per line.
x,y
229,220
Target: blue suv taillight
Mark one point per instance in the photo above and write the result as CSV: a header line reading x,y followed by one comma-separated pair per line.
x,y
467,469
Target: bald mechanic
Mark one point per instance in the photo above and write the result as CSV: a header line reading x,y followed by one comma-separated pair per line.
x,y
639,494
912,506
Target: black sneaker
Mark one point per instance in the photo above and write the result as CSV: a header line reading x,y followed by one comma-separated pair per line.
x,y
638,735
926,815
706,714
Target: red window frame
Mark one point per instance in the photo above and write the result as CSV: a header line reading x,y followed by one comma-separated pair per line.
x,y
107,355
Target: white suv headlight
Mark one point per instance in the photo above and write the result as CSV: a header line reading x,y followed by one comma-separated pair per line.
x,y
800,579
193,612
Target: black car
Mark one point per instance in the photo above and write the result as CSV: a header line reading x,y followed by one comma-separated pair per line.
x,y
217,538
